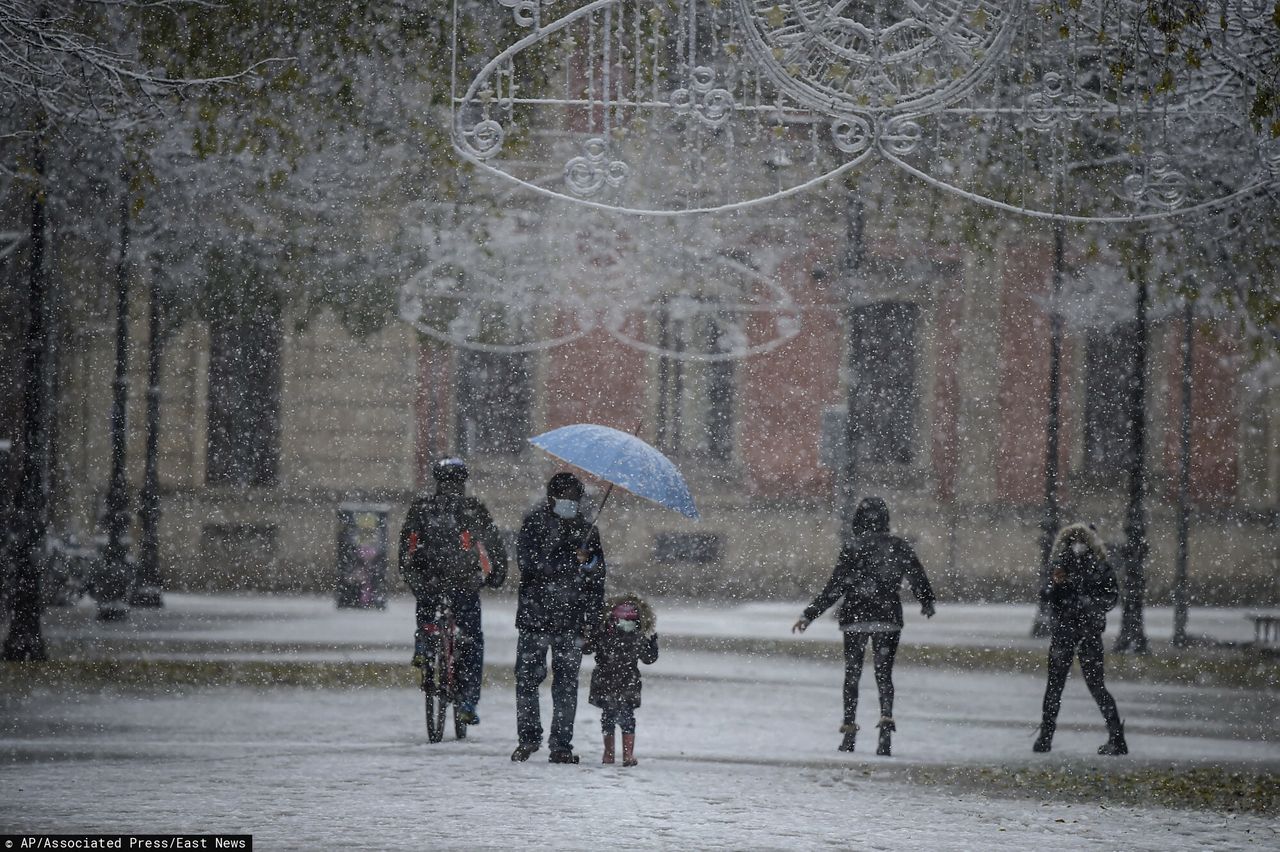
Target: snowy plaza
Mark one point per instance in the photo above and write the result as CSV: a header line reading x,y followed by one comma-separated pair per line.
x,y
887,390
737,751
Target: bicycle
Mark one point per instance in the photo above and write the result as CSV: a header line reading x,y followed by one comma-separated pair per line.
x,y
439,676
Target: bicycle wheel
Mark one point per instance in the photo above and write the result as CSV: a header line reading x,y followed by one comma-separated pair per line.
x,y
435,691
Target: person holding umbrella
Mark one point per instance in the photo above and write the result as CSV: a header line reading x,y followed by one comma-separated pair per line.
x,y
562,568
562,574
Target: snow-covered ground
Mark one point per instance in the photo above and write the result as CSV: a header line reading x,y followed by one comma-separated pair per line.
x,y
351,769
736,752
726,764
298,621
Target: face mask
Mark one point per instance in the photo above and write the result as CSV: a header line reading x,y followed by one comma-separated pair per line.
x,y
626,626
1078,548
565,508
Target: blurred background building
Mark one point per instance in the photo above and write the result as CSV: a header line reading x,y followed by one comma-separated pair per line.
x,y
269,423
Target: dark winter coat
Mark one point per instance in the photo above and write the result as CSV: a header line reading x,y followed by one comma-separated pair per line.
x,y
870,571
615,683
1081,601
470,515
557,593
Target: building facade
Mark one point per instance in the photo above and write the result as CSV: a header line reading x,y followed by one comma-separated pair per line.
x,y
267,426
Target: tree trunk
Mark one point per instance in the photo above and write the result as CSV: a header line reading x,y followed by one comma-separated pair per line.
x,y
1051,518
113,583
1133,635
25,642
662,429
851,266
1184,479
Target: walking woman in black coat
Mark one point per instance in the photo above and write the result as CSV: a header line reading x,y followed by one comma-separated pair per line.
x,y
869,577
1080,590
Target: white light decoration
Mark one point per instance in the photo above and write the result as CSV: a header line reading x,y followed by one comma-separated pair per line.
x,y
752,312
672,107
524,282
485,318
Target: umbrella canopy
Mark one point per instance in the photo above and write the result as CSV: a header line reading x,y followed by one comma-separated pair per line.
x,y
622,459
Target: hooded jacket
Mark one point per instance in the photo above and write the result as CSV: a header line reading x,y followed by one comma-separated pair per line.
x,y
869,573
1089,591
557,593
615,682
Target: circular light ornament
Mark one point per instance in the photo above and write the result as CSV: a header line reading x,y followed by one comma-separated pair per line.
x,y
850,57
486,316
752,313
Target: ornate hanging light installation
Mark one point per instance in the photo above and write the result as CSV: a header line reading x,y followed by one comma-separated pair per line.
x,y
668,107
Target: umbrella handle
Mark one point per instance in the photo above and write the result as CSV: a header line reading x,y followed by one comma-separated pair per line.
x,y
605,499
596,519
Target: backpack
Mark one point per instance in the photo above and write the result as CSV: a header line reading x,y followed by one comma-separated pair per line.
x,y
441,554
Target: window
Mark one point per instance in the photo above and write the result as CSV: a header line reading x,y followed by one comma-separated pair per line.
x,y
695,397
1108,373
883,358
495,400
244,398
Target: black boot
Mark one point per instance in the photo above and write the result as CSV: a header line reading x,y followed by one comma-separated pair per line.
x,y
850,731
1115,744
887,727
1044,742
564,756
522,752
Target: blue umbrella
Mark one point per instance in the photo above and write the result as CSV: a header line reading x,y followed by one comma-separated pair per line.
x,y
622,460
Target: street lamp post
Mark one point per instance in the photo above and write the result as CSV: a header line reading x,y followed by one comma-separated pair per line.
x,y
115,576
148,584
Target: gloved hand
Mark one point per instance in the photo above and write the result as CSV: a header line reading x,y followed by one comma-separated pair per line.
x,y
927,610
800,626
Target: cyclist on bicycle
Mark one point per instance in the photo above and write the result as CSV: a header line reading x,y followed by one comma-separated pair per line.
x,y
449,547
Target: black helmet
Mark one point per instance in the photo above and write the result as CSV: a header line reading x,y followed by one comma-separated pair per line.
x,y
450,470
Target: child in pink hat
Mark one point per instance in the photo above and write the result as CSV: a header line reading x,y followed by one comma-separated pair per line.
x,y
625,637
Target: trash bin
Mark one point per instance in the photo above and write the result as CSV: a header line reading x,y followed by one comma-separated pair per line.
x,y
363,547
